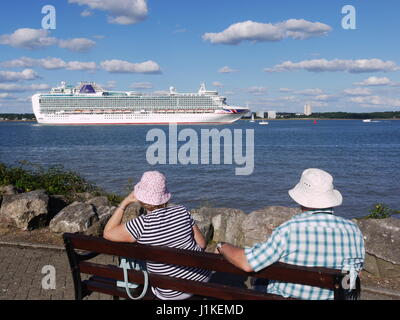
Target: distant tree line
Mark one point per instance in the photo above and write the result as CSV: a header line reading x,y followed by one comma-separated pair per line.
x,y
354,115
339,115
17,116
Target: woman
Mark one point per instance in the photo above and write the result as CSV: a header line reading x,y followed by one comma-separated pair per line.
x,y
162,226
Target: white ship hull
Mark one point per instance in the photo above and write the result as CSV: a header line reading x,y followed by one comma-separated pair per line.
x,y
131,118
104,119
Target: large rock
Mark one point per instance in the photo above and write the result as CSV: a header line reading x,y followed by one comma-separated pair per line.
x,y
258,225
227,226
77,217
219,224
104,213
8,190
98,201
238,228
25,210
203,218
382,246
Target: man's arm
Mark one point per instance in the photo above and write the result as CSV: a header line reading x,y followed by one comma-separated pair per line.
x,y
235,256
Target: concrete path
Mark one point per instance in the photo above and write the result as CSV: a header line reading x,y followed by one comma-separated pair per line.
x,y
21,274
23,268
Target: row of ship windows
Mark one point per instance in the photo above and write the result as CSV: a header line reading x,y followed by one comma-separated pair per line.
x,y
52,109
52,114
124,105
124,101
130,98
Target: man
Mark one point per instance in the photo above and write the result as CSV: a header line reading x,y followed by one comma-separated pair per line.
x,y
313,238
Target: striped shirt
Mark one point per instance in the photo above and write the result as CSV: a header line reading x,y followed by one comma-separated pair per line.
x,y
315,238
170,227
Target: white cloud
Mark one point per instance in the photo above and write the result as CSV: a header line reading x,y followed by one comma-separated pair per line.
x,y
310,92
6,96
49,63
12,87
77,44
120,11
326,97
121,66
86,13
303,29
351,66
31,39
373,101
78,65
357,92
27,38
319,103
217,84
257,90
11,76
258,32
110,84
226,69
285,90
374,81
141,85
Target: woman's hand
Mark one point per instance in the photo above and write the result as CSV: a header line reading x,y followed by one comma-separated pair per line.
x,y
129,199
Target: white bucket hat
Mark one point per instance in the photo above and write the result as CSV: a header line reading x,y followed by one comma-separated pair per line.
x,y
315,190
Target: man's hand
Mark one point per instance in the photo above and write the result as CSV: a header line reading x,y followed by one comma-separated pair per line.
x,y
235,255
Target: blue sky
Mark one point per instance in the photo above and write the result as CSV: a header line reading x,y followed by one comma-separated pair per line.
x,y
271,55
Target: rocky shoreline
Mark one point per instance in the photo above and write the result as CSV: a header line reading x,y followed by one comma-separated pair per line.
x,y
51,215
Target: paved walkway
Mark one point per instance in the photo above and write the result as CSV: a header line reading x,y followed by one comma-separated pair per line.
x,y
21,275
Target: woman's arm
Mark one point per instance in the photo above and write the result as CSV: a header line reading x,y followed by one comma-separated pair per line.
x,y
114,230
199,238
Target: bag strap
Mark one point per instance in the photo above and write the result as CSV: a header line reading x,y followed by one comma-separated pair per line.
x,y
145,282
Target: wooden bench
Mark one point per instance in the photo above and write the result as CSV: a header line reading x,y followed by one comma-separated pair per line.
x,y
103,277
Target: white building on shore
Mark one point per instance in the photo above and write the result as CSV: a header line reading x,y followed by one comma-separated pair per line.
x,y
307,109
260,114
271,114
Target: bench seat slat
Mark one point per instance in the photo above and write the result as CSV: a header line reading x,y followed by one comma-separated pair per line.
x,y
196,287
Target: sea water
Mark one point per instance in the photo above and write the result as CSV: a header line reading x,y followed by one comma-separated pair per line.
x,y
364,159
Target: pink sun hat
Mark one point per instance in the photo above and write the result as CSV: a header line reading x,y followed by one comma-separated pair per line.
x,y
152,189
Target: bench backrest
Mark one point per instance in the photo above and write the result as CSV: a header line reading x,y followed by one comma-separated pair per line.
x,y
319,277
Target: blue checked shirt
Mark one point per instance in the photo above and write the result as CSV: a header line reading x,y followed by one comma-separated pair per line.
x,y
314,238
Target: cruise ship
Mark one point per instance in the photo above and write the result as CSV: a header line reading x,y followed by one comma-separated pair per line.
x,y
88,103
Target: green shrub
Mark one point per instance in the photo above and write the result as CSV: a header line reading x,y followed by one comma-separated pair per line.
x,y
381,211
55,180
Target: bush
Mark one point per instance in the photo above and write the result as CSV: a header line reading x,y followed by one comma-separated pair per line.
x,y
54,180
381,211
